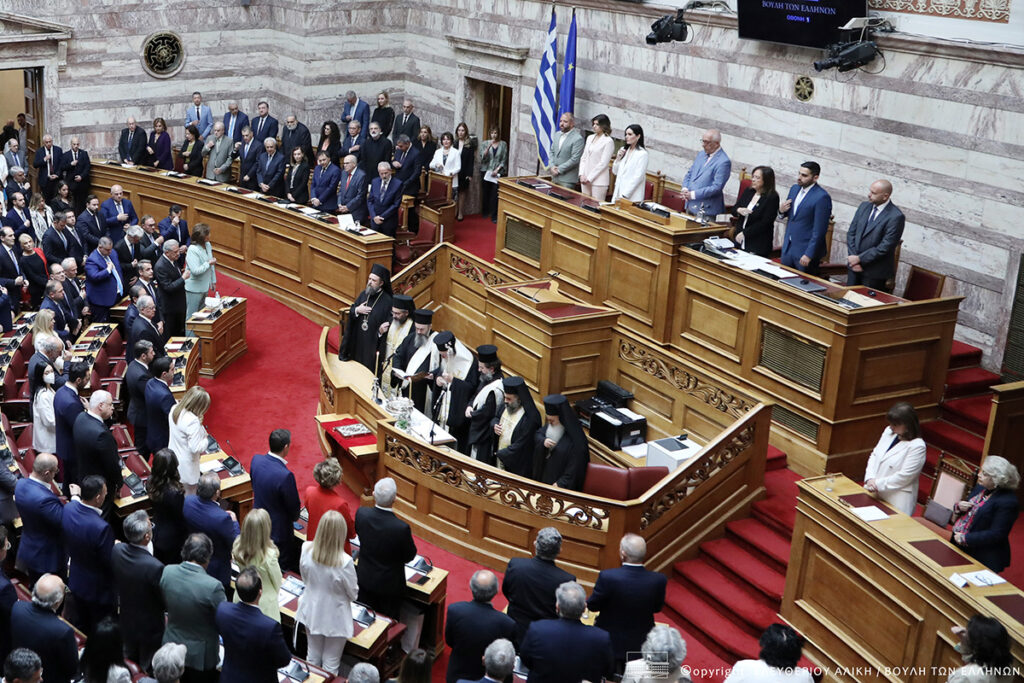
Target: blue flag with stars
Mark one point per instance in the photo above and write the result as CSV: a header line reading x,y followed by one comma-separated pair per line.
x,y
567,91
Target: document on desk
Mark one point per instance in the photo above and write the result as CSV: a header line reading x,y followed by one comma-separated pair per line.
x,y
983,577
211,466
869,513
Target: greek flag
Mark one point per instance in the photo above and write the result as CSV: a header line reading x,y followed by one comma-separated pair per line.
x,y
543,117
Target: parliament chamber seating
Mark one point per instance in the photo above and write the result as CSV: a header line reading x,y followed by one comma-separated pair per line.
x,y
415,244
621,483
923,284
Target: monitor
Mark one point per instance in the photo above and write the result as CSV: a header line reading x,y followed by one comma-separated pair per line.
x,y
808,23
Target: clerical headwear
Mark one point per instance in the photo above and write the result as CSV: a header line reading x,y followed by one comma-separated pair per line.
x,y
487,353
511,384
553,404
445,341
404,302
384,274
422,316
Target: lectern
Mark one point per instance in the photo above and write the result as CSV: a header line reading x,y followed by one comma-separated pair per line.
x,y
222,333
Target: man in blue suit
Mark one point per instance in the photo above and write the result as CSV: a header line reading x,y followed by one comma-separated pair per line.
x,y
48,162
89,225
175,227
89,540
352,190
473,625
159,401
234,122
67,405
875,230
706,179
564,649
204,515
117,214
274,490
408,165
198,114
809,209
41,550
355,110
36,626
254,645
248,154
264,125
323,193
270,170
627,598
384,200
104,283
18,217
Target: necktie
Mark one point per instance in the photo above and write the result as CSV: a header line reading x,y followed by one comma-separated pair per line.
x,y
17,268
63,239
347,181
384,188
120,287
197,114
874,214
74,155
259,128
131,250
130,134
246,150
119,210
405,119
231,126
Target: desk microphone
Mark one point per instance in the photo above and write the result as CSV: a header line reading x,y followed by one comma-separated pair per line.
x,y
538,288
233,454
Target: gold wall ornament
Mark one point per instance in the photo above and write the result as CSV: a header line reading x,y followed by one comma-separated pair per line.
x,y
163,54
803,88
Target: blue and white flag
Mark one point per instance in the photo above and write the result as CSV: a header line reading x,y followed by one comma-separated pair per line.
x,y
543,117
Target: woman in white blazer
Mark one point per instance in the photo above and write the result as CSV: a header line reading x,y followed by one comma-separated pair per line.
x,y
894,467
187,436
447,160
595,176
325,606
630,167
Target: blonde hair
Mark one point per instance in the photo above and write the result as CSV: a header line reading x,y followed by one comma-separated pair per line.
x,y
43,323
195,401
329,544
253,545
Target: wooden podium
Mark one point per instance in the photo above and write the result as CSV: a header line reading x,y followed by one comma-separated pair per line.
x,y
221,332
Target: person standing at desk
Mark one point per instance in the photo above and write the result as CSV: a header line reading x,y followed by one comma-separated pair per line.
x,y
386,544
704,182
566,150
809,209
758,205
894,466
530,582
630,167
199,262
367,317
874,232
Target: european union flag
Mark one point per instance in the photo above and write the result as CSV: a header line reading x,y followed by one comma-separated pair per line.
x,y
567,91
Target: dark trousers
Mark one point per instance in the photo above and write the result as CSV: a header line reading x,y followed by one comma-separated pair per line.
x,y
489,205
197,676
383,603
85,614
857,279
174,324
100,314
140,648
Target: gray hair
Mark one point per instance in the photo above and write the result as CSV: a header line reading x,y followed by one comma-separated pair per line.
x,y
105,242
383,164
571,600
170,245
69,261
633,548
403,138
16,169
350,94
136,526
145,302
135,231
483,585
665,640
548,543
499,659
1004,474
98,397
364,672
169,662
49,599
209,484
51,345
384,492
52,287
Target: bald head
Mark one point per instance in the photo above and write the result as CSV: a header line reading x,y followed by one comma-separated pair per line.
x,y
711,140
879,192
483,585
632,549
45,464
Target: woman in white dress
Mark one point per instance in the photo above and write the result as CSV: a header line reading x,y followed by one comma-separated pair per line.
x,y
630,167
595,176
894,467
187,436
44,425
325,606
447,160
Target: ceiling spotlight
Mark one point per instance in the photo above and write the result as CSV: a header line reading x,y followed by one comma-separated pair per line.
x,y
667,29
847,56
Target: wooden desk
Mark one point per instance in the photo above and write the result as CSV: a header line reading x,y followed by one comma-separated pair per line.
x,y
186,354
236,489
313,267
222,333
866,598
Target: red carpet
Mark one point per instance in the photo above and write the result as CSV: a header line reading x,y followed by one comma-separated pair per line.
x,y
475,234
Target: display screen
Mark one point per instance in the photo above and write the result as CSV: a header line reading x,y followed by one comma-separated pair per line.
x,y
810,23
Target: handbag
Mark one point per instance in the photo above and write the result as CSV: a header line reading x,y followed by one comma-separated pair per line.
x,y
937,513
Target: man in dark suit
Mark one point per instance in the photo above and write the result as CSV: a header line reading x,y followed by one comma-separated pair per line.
x,y
406,123
146,329
264,125
254,645
384,200
11,277
59,242
352,143
627,599
22,666
564,649
18,216
18,181
875,230
175,227
530,583
131,314
809,208
89,540
36,626
132,145
77,172
129,251
192,596
96,450
65,324
148,283
352,190
67,405
234,122
408,165
89,226
50,349
274,490
386,544
74,294
296,134
136,376
270,170
117,213
355,110
104,282
159,401
48,162
204,515
323,191
152,240
471,626
171,283
137,578
248,155
41,549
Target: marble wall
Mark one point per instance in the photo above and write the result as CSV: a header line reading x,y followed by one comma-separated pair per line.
x,y
944,122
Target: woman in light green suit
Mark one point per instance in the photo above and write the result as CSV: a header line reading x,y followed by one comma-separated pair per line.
x,y
199,260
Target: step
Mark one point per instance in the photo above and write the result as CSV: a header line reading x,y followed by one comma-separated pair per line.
x,y
731,557
732,598
971,413
954,439
717,632
776,515
776,459
762,538
967,381
963,355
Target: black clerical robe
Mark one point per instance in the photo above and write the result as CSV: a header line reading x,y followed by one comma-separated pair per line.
x,y
362,342
564,465
484,401
517,458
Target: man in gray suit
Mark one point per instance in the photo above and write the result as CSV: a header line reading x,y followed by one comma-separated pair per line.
x,y
219,148
191,596
566,150
875,230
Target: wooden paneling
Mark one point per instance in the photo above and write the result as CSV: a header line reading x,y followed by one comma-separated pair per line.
x,y
1006,424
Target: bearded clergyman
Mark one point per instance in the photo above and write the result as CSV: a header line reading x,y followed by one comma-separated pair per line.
x,y
368,319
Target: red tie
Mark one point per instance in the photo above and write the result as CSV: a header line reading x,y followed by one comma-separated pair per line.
x,y
349,180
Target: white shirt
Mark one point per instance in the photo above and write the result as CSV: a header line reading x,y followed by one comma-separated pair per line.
x,y
187,438
756,671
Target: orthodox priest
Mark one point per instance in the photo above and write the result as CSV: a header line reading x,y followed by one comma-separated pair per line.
x,y
561,451
400,325
481,403
514,428
415,355
454,362
367,320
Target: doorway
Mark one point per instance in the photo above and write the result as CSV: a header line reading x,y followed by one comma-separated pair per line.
x,y
29,84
